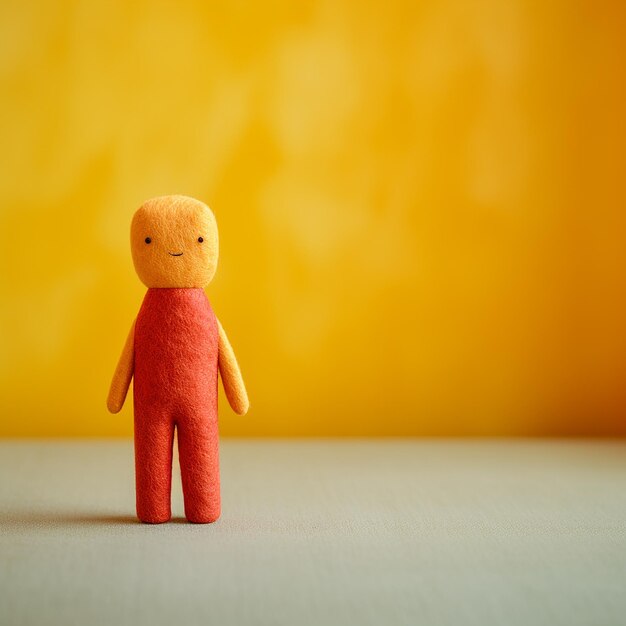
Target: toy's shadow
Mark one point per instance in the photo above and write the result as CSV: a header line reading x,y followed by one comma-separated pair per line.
x,y
42,520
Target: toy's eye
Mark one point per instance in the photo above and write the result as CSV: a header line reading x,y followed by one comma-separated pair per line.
x,y
148,240
200,239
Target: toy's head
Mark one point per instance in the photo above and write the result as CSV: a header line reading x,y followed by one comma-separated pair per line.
x,y
174,242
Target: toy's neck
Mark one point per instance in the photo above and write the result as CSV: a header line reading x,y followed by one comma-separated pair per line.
x,y
175,294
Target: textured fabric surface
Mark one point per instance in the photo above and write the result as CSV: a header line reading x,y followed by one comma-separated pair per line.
x,y
123,374
322,532
231,376
164,237
176,354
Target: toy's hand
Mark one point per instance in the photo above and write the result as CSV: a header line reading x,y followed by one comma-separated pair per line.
x,y
123,374
115,400
234,387
231,376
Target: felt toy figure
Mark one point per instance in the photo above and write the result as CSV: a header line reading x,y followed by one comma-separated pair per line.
x,y
174,350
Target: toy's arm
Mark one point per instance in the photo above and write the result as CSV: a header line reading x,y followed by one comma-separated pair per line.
x,y
231,375
123,374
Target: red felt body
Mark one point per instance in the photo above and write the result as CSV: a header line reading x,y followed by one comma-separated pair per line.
x,y
176,352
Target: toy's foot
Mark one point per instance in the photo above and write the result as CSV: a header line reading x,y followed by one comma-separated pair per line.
x,y
154,520
207,518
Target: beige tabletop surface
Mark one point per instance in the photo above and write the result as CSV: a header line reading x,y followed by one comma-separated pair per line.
x,y
380,532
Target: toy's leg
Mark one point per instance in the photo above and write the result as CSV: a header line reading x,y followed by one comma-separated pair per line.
x,y
154,437
199,468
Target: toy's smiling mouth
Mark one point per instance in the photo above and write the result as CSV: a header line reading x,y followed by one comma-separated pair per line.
x,y
175,253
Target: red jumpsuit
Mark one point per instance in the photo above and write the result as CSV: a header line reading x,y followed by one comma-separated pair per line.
x,y
175,370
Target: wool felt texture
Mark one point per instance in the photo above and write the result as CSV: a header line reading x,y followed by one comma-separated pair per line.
x,y
176,364
165,242
231,376
174,350
123,375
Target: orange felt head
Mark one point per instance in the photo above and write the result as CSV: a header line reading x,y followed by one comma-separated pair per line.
x,y
174,242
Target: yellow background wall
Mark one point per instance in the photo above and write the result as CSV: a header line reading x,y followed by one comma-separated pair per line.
x,y
421,206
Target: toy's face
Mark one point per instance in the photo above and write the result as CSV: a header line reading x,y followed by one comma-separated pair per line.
x,y
174,242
